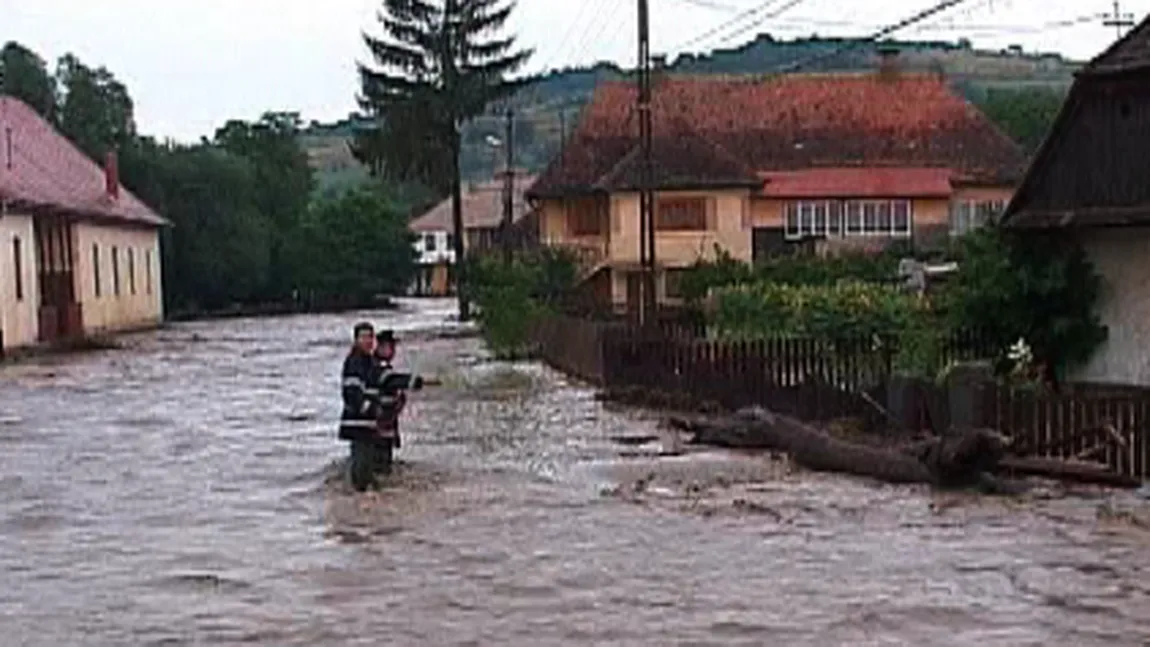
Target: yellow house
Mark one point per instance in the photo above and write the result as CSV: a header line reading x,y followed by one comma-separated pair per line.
x,y
79,254
758,166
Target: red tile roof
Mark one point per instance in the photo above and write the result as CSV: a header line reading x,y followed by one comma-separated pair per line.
x,y
859,183
788,123
482,207
43,171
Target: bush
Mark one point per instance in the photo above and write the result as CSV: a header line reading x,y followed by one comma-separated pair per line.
x,y
1038,288
705,276
847,310
511,298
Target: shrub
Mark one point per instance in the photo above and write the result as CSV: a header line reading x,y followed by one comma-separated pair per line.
x,y
511,298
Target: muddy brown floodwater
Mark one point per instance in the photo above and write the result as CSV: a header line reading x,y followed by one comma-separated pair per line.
x,y
187,490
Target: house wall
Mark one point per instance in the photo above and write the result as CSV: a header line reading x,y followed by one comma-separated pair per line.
x,y
134,306
433,247
18,317
1120,256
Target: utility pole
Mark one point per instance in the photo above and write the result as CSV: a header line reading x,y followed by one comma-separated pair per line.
x,y
508,186
1118,20
646,194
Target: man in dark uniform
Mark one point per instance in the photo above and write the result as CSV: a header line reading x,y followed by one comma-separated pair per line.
x,y
391,388
360,404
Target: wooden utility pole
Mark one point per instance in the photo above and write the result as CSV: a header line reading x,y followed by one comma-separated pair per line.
x,y
649,300
508,187
1118,20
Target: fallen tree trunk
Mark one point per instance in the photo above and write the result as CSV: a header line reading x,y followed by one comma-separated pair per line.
x,y
950,461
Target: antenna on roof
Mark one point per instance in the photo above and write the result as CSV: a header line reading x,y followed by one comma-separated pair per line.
x,y
1118,20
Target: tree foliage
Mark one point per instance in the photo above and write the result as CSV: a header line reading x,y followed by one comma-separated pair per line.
x,y
1038,288
354,247
96,111
24,75
438,64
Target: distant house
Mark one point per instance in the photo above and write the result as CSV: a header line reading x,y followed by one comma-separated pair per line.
x,y
759,167
482,219
1089,180
79,254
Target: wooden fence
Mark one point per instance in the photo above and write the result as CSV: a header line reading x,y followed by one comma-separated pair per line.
x,y
820,380
1109,427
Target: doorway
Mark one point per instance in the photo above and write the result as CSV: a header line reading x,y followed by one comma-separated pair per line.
x,y
59,314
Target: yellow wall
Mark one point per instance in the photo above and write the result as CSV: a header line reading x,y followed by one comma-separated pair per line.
x,y
18,319
728,225
109,312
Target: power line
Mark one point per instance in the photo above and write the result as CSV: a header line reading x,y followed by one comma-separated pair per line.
x,y
733,21
791,4
710,4
878,35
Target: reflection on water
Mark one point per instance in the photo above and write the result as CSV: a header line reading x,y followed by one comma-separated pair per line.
x,y
189,490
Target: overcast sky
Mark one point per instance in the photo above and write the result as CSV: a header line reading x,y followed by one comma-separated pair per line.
x,y
192,64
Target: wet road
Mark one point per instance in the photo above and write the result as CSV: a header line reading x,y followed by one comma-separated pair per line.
x,y
187,490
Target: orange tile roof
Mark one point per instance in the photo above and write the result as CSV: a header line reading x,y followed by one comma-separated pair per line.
x,y
788,123
48,173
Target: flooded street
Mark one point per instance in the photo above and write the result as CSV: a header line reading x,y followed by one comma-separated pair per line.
x,y
188,490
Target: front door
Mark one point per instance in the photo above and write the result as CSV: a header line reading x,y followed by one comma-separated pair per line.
x,y
59,315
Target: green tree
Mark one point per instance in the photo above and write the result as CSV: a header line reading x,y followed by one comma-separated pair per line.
x,y
96,111
24,75
1040,288
284,184
440,65
354,247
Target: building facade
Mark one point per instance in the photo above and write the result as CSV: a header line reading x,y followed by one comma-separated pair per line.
x,y
1088,182
482,221
79,254
761,167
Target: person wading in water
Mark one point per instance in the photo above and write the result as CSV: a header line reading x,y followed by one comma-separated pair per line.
x,y
390,387
360,408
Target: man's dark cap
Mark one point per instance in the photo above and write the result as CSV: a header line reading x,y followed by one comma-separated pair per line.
x,y
363,327
386,337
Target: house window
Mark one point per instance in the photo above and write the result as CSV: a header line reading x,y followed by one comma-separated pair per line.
x,y
673,283
148,270
115,271
429,242
587,217
968,215
681,214
96,270
131,270
18,268
450,241
822,218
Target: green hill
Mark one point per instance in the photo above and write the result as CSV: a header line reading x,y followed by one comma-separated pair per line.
x,y
549,104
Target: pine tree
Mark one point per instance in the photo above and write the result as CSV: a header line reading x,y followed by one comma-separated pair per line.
x,y
440,64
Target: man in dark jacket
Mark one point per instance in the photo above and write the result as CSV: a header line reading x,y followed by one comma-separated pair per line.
x,y
392,387
360,403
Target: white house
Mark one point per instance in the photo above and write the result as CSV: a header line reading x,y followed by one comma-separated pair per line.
x,y
79,254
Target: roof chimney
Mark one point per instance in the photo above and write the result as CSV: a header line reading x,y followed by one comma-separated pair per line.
x,y
888,62
112,176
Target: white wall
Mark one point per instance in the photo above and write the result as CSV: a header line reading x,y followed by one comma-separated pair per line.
x,y
106,310
433,248
18,317
1120,256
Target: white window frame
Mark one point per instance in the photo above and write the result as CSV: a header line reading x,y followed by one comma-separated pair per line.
x,y
854,218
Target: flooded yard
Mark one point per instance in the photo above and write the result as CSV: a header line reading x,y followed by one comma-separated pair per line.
x,y
188,490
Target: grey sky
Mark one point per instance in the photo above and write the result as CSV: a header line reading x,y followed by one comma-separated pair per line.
x,y
192,64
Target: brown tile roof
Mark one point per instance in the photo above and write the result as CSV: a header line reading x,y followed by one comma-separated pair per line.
x,y
43,171
482,207
786,123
